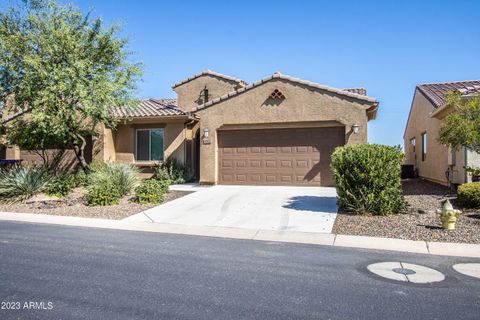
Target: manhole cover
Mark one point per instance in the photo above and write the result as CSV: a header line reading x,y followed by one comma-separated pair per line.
x,y
406,272
469,269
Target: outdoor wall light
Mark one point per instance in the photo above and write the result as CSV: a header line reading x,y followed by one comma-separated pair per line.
x,y
355,128
205,132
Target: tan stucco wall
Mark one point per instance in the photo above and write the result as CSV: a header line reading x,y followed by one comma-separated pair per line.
x,y
420,120
124,139
108,146
189,92
12,152
302,105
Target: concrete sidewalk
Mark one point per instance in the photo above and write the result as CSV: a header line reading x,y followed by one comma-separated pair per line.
x,y
423,247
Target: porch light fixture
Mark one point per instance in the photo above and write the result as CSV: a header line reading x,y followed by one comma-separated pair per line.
x,y
205,132
355,128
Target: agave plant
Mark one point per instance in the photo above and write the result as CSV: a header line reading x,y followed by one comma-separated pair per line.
x,y
124,177
21,183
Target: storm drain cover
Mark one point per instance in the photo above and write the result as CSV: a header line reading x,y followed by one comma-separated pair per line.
x,y
406,272
469,269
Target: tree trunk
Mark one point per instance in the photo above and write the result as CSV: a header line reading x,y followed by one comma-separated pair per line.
x,y
80,151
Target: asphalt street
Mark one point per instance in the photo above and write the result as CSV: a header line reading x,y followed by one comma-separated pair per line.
x,y
56,272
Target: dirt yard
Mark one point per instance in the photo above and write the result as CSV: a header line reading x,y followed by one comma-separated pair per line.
x,y
419,222
75,205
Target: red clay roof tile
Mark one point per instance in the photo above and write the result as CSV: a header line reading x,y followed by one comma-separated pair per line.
x,y
435,92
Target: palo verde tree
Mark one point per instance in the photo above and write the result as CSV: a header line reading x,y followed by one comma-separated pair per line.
x,y
65,69
462,126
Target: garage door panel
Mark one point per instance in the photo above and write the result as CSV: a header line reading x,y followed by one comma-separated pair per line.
x,y
286,163
270,178
227,164
270,164
278,157
227,178
255,164
302,164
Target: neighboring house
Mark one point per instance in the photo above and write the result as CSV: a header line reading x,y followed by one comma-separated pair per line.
x,y
277,131
432,160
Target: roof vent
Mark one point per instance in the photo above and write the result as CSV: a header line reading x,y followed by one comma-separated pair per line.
x,y
277,94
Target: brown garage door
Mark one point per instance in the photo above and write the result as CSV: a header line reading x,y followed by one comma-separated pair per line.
x,y
278,156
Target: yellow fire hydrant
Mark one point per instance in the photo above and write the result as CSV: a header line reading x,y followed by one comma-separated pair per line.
x,y
448,215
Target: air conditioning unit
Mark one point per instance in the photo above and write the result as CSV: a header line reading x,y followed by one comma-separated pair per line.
x,y
456,177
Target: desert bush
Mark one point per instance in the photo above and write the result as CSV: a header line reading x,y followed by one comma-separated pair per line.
x,y
81,179
368,178
123,177
151,191
468,195
173,170
105,194
20,183
61,185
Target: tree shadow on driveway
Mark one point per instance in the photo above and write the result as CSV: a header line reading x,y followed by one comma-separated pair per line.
x,y
312,203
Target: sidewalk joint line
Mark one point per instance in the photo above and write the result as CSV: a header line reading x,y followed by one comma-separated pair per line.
x,y
146,215
428,247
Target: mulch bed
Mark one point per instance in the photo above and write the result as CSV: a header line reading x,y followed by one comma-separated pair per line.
x,y
75,205
419,222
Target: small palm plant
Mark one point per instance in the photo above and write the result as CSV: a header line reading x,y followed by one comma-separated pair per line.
x,y
21,183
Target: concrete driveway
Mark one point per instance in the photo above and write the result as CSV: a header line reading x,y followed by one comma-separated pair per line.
x,y
303,209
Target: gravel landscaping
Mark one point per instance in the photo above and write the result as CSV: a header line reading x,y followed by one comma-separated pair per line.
x,y
75,205
419,222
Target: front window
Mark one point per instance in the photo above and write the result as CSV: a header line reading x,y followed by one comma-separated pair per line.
x,y
149,145
413,143
424,146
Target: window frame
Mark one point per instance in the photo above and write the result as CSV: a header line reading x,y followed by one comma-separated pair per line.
x,y
149,144
413,143
424,145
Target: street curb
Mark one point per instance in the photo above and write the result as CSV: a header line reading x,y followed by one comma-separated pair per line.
x,y
338,240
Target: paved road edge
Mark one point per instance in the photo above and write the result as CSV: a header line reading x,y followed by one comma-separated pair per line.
x,y
423,247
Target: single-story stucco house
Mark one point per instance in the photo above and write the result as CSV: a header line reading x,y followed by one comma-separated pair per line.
x,y
277,131
432,160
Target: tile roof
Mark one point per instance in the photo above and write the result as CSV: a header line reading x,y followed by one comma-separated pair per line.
x,y
278,75
212,73
435,92
360,91
148,108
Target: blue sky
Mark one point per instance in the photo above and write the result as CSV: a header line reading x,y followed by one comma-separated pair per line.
x,y
385,46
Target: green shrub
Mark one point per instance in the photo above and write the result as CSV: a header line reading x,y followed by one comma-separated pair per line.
x,y
20,183
81,179
61,185
151,191
173,170
124,177
468,195
368,178
105,194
